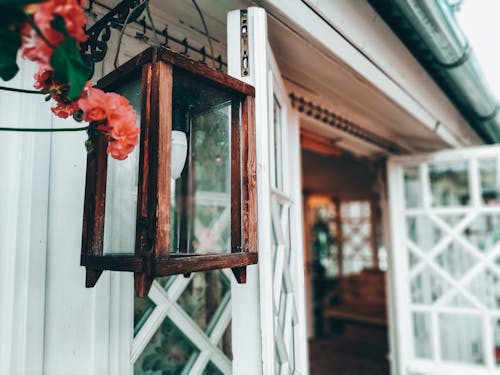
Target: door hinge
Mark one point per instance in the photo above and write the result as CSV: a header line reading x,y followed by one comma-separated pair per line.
x,y
245,69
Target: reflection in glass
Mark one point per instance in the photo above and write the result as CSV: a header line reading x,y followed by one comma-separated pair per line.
x,y
423,232
201,197
456,260
489,171
205,298
427,286
168,352
449,184
485,286
121,188
496,337
422,335
461,338
412,187
484,232
143,307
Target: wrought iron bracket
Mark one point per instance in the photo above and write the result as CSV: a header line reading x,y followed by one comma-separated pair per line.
x,y
95,48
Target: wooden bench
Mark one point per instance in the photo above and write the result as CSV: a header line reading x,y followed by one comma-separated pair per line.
x,y
361,300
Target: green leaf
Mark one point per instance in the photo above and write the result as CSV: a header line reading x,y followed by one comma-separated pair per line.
x,y
59,25
10,42
69,67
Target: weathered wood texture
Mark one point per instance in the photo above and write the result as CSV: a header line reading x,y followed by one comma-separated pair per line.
x,y
249,175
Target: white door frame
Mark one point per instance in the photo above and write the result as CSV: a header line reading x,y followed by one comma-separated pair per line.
x,y
254,311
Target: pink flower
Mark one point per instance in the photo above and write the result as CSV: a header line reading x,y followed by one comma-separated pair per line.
x,y
70,10
124,136
34,47
112,115
94,105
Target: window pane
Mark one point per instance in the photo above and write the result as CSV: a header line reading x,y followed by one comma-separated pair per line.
x,y
121,188
277,148
449,184
422,335
168,352
461,338
413,195
489,170
201,196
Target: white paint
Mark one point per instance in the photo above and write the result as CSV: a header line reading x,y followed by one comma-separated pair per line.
x,y
24,164
369,48
253,300
405,360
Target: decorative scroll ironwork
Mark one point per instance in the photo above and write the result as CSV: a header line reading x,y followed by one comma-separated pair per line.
x,y
96,46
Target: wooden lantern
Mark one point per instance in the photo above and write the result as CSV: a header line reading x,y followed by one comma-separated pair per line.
x,y
185,199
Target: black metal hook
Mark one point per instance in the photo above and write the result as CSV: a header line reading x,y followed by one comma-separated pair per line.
x,y
185,43
219,60
203,55
165,34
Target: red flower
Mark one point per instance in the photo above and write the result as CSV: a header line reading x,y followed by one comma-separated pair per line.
x,y
44,79
63,110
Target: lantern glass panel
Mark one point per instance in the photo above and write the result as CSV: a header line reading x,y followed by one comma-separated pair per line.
x,y
121,187
201,196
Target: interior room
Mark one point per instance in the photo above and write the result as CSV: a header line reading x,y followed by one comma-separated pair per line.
x,y
345,258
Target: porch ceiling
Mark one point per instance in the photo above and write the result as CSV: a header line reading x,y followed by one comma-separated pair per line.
x,y
313,73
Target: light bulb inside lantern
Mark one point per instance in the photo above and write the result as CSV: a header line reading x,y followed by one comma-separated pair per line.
x,y
179,153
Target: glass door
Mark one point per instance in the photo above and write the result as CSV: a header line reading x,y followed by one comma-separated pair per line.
x,y
445,261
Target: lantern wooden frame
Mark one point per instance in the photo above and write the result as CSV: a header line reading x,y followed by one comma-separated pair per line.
x,y
152,258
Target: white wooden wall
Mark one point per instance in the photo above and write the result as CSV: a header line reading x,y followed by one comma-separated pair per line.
x,y
49,322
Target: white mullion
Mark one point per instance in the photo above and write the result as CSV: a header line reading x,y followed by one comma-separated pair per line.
x,y
281,197
147,331
486,259
279,266
285,369
205,354
163,302
197,337
221,326
447,309
435,337
280,342
288,326
219,329
175,289
425,186
467,277
412,212
443,242
276,222
449,279
488,342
